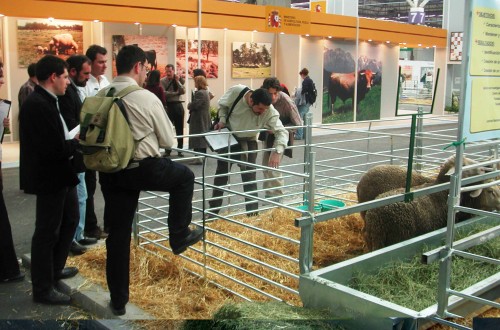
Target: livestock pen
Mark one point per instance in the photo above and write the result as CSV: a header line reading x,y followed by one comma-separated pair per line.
x,y
254,260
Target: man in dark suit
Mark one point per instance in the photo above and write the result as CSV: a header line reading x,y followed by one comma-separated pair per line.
x,y
47,150
70,105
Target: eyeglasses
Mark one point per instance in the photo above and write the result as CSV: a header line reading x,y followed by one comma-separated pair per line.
x,y
148,69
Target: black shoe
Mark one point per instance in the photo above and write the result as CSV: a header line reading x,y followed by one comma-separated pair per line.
x,y
54,297
180,154
117,311
16,278
67,272
167,153
87,240
180,245
76,248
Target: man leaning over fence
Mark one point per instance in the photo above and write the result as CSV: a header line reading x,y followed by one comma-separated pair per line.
x,y
289,116
252,112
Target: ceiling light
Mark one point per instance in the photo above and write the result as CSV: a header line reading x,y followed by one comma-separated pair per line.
x,y
282,32
419,45
51,19
96,21
387,42
307,35
329,37
427,47
255,31
225,29
434,46
369,40
2,15
174,25
137,23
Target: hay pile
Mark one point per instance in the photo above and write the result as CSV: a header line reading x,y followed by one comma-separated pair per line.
x,y
160,286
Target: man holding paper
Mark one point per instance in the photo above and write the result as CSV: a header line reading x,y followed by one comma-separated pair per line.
x,y
243,110
70,105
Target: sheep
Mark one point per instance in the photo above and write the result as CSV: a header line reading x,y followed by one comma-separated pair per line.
x,y
383,178
62,43
390,224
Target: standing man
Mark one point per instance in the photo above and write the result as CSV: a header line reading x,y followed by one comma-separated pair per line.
x,y
148,171
289,116
174,88
29,86
9,267
97,81
71,105
253,111
301,99
47,149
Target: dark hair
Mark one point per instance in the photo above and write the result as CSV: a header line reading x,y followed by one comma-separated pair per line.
x,y
127,57
153,78
48,65
93,50
304,71
32,70
1,68
272,82
261,96
169,66
76,62
199,72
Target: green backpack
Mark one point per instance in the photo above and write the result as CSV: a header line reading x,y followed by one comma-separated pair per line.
x,y
106,140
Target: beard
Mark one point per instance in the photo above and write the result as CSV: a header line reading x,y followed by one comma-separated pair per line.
x,y
80,83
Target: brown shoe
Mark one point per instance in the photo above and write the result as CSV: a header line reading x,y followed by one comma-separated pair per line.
x,y
96,233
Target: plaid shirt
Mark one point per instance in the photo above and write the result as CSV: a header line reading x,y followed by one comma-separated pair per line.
x,y
289,114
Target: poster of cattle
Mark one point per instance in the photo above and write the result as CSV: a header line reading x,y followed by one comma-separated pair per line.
x,y
251,60
36,38
155,48
209,57
340,80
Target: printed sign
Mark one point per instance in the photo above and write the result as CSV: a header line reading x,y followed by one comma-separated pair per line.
x,y
286,20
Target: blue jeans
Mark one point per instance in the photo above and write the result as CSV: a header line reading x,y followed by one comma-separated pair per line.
x,y
303,109
81,190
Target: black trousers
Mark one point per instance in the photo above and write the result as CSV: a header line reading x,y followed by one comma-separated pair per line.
x,y
57,216
90,216
8,260
248,176
121,193
175,112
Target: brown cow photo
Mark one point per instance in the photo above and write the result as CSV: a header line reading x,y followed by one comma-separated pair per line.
x,y
346,89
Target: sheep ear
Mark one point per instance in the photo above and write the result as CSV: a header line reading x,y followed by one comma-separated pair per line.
x,y
451,171
476,193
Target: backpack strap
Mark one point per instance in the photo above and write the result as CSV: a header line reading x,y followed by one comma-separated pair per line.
x,y
246,89
127,90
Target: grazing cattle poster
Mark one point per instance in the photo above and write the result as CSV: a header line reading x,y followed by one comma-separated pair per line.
x,y
39,37
154,46
251,60
345,89
209,57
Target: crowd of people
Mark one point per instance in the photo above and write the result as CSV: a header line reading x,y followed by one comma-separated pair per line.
x,y
52,168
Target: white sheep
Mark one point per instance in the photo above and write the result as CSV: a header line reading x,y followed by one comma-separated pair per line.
x,y
390,224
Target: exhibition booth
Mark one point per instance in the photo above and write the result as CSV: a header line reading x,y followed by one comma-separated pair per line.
x,y
240,44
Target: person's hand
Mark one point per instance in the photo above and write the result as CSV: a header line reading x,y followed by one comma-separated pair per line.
x,y
219,126
274,159
6,122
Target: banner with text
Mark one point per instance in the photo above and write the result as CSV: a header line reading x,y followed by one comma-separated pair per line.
x,y
287,20
481,117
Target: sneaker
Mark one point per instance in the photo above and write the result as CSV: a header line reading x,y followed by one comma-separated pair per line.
x,y
180,245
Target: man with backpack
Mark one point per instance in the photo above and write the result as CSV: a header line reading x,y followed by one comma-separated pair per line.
x,y
304,98
152,130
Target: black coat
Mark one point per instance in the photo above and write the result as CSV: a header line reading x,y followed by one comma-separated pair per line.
x,y
71,106
45,165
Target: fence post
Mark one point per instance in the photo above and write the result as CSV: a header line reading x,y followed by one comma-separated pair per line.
x,y
306,232
419,139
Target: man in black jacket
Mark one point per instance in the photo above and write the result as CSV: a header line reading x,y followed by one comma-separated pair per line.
x,y
70,105
47,150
